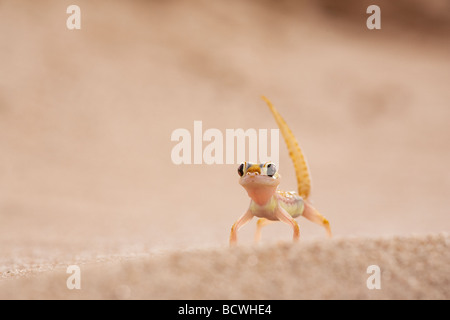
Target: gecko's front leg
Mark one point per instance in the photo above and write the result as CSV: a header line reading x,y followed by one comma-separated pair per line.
x,y
284,216
246,217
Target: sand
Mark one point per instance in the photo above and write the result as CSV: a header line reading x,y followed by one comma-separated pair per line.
x,y
410,268
87,178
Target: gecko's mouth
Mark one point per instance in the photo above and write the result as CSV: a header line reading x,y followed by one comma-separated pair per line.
x,y
256,179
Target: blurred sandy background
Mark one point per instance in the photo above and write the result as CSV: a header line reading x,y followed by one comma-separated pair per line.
x,y
86,118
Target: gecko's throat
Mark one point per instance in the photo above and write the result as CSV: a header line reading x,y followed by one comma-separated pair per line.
x,y
260,188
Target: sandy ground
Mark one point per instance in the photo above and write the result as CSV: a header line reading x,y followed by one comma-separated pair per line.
x,y
86,117
410,268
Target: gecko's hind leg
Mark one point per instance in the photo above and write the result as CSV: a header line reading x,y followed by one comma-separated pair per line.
x,y
313,215
259,225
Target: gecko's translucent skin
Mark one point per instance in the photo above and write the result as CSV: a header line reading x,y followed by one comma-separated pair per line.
x,y
269,204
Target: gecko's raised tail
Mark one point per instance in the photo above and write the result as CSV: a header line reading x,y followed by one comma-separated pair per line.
x,y
296,154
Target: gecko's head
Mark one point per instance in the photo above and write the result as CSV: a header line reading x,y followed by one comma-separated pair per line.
x,y
260,180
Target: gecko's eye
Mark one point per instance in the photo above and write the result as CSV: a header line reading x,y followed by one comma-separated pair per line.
x,y
271,169
241,169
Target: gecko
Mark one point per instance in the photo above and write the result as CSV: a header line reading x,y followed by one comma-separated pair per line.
x,y
270,204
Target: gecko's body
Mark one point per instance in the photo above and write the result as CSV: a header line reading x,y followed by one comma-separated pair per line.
x,y
289,201
270,204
